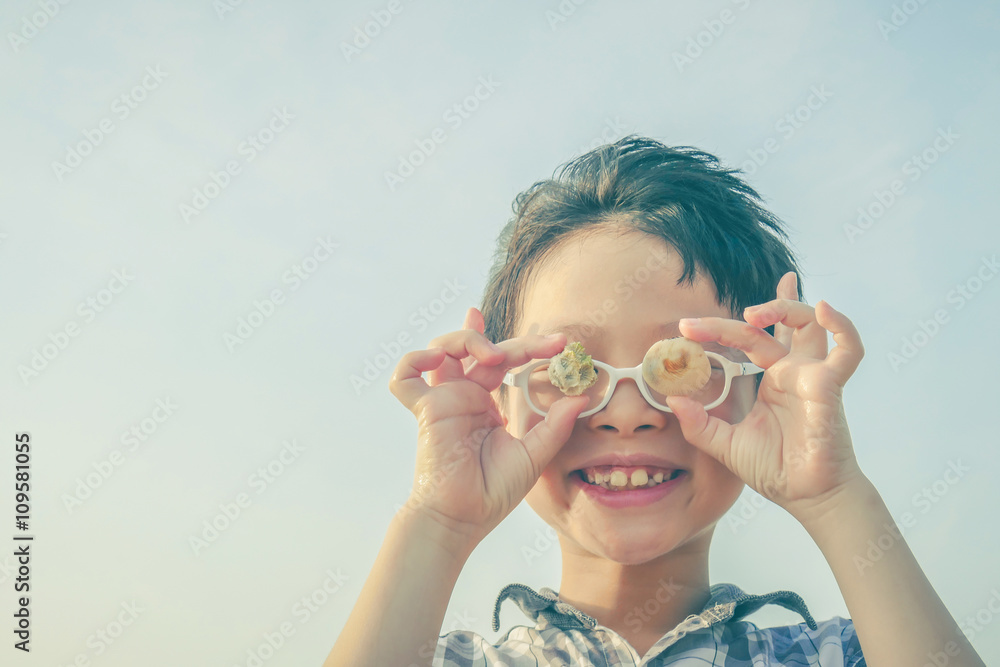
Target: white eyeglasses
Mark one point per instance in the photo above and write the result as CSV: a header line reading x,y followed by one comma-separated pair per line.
x,y
534,381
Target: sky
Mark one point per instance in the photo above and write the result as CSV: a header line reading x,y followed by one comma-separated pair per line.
x,y
200,247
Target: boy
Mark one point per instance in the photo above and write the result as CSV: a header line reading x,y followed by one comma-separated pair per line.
x,y
632,243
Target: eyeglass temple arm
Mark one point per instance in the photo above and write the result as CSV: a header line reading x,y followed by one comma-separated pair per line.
x,y
748,368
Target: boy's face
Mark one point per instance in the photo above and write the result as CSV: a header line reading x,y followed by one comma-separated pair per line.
x,y
604,282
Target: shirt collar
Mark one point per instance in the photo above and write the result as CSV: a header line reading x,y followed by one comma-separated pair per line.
x,y
727,602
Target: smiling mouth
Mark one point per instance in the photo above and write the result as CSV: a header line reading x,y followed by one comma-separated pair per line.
x,y
620,479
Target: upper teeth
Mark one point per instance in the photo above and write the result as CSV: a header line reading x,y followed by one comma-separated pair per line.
x,y
617,477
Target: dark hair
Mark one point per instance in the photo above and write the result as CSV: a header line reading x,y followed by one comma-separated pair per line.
x,y
707,213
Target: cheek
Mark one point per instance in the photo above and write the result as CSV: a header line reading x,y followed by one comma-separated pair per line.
x,y
716,487
539,498
718,481
548,498
738,404
521,418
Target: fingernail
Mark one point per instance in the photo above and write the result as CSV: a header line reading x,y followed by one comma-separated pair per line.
x,y
554,336
494,346
691,321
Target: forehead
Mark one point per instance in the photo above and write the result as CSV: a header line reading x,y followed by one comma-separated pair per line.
x,y
615,287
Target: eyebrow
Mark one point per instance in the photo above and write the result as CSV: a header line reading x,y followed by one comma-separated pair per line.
x,y
597,333
577,331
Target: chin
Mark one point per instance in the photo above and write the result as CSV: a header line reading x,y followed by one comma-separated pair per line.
x,y
634,545
624,542
627,550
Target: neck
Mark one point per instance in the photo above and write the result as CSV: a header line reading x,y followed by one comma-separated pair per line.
x,y
640,602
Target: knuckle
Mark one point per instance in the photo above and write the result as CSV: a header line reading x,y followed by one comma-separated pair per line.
x,y
747,329
429,408
438,341
408,359
395,385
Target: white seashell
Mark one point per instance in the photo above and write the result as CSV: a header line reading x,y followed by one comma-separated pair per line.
x,y
676,367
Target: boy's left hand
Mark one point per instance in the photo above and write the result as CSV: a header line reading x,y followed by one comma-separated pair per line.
x,y
793,447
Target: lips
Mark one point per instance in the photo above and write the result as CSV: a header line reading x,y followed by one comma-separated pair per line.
x,y
625,497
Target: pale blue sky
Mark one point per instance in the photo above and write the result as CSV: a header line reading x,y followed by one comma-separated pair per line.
x,y
608,70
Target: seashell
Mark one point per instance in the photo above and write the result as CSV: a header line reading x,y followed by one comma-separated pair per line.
x,y
572,370
676,367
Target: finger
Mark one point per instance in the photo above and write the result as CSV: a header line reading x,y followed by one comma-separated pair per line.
x,y
787,289
756,343
517,352
546,437
848,350
475,322
407,383
808,337
458,345
709,434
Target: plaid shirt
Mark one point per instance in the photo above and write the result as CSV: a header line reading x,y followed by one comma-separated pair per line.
x,y
563,635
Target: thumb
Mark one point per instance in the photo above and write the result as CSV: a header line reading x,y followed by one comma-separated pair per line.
x,y
549,435
709,434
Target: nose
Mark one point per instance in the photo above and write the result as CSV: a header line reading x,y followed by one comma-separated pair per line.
x,y
628,412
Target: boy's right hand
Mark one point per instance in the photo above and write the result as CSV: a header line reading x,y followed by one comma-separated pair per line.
x,y
471,473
